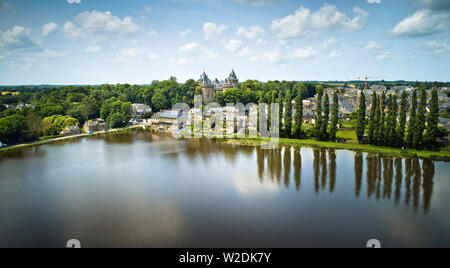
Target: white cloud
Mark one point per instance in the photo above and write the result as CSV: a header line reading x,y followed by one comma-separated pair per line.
x,y
70,30
130,52
435,47
335,54
74,1
211,30
305,23
48,53
245,52
208,55
383,55
374,1
305,53
16,38
185,33
272,57
258,2
328,43
233,45
103,23
372,45
194,49
93,49
48,29
190,49
422,23
252,32
261,42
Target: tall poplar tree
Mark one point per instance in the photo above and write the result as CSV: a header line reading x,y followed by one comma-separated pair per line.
x,y
432,121
402,121
361,125
288,115
392,121
318,127
334,117
298,114
373,123
326,117
419,127
381,130
412,119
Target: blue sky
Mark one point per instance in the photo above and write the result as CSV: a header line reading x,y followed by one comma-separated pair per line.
x,y
137,41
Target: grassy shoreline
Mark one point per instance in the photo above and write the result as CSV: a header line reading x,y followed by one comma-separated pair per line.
x,y
442,155
69,138
395,152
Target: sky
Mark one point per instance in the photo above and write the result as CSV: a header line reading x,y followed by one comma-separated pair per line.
x,y
79,42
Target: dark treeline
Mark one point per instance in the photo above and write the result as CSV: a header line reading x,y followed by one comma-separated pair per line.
x,y
387,122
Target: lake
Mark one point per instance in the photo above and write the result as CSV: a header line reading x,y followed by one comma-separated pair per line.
x,y
142,190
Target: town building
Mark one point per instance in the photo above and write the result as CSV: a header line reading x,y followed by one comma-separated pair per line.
x,y
139,112
95,125
70,131
210,88
166,121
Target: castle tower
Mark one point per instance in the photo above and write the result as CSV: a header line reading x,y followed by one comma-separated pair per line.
x,y
233,79
208,91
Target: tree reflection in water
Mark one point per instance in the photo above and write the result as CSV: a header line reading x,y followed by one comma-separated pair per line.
x,y
387,178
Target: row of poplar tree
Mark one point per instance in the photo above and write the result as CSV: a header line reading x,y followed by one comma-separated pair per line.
x,y
291,123
387,122
385,126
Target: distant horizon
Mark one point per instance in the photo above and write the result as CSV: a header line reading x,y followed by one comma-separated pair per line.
x,y
240,82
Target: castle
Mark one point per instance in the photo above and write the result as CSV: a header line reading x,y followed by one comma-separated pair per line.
x,y
209,88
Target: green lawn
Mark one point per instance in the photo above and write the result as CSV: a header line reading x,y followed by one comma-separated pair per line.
x,y
442,155
347,135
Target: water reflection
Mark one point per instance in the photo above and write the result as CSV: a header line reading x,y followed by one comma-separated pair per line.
x,y
386,178
148,190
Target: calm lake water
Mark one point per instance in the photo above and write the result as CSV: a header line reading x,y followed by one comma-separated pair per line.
x,y
138,190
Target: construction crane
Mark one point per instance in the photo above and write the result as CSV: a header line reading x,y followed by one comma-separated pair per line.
x,y
367,78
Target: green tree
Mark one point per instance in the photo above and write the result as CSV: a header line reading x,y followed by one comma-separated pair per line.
x,y
219,97
159,101
419,127
288,115
318,128
90,108
126,110
361,125
432,121
402,121
412,119
115,120
373,120
14,129
392,121
298,114
382,126
334,116
35,125
326,117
